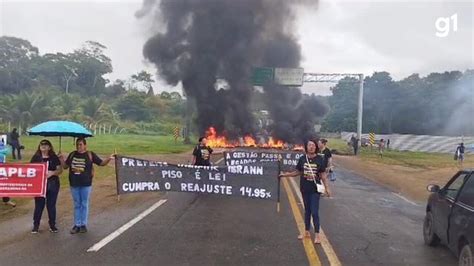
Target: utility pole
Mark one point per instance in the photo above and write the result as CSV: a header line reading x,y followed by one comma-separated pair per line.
x,y
360,108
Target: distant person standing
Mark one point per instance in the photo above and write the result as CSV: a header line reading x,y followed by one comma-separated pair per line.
x,y
381,147
388,144
15,143
327,155
460,154
202,153
355,143
324,150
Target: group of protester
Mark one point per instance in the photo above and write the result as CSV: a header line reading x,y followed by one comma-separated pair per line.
x,y
381,145
312,168
81,172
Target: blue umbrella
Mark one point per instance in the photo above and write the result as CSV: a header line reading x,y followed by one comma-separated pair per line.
x,y
60,129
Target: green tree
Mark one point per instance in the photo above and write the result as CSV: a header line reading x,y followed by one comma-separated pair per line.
x,y
16,74
92,64
343,107
116,89
145,80
15,51
25,109
132,106
175,96
381,102
165,95
61,69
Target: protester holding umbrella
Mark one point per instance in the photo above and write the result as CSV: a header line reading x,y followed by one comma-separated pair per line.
x,y
45,153
80,164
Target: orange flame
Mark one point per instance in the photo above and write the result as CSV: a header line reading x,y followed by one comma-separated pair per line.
x,y
273,144
213,140
298,148
249,141
216,141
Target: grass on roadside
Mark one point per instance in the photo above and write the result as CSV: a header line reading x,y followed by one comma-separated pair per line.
x,y
403,158
105,144
340,146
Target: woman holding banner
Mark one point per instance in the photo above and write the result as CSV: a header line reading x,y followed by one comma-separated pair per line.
x,y
80,163
313,183
202,153
45,153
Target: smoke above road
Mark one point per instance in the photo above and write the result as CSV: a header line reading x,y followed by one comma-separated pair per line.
x,y
200,42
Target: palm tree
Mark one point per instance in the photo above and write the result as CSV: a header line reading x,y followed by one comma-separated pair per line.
x,y
25,109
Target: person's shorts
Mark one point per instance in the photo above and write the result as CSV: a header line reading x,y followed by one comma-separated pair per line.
x,y
461,157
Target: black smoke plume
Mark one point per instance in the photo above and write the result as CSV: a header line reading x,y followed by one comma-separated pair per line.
x,y
200,41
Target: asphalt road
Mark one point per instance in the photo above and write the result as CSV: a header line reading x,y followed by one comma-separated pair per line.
x,y
365,224
370,225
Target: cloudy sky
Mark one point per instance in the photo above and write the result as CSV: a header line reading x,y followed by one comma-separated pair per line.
x,y
337,37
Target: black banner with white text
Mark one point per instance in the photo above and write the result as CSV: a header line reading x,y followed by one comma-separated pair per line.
x,y
288,159
258,180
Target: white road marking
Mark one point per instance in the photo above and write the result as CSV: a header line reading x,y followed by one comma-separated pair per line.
x,y
405,199
124,227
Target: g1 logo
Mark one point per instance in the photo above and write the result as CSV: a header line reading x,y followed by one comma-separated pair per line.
x,y
443,25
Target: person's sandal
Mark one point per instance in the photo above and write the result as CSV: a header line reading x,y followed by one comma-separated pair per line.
x,y
304,235
317,240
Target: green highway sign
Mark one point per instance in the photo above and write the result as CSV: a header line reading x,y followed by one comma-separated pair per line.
x,y
262,75
282,76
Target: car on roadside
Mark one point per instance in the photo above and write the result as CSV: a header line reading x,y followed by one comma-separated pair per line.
x,y
449,216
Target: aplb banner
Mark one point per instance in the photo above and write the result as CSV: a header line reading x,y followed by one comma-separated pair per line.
x,y
259,181
23,180
288,159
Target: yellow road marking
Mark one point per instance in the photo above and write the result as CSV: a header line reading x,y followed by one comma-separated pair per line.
x,y
307,242
327,247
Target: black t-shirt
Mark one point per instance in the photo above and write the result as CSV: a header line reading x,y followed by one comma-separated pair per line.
x,y
14,136
53,163
306,180
326,153
203,155
80,168
461,149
